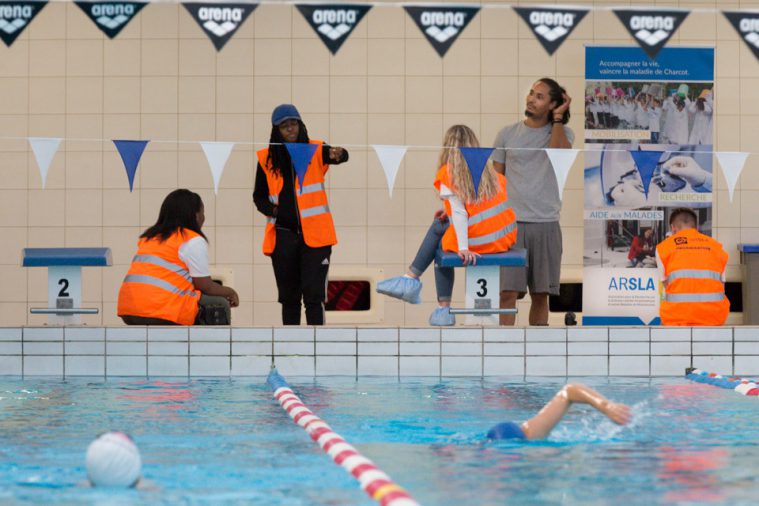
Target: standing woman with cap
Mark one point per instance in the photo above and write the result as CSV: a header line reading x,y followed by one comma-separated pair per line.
x,y
299,230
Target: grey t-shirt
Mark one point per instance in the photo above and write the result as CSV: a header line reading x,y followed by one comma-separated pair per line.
x,y
533,190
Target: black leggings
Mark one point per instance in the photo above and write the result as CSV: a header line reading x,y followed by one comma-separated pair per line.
x,y
301,273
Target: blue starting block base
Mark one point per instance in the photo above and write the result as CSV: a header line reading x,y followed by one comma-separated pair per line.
x,y
64,279
483,283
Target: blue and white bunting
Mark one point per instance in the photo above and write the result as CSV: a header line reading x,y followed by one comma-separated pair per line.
x,y
390,158
217,154
732,163
44,149
562,161
131,152
476,159
301,155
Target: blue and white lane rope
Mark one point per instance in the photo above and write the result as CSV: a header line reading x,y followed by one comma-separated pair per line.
x,y
378,485
741,385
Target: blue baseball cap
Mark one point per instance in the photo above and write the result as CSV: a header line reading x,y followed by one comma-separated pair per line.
x,y
284,112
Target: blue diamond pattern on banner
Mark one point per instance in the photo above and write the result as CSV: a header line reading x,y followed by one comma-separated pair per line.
x,y
131,152
301,155
646,162
476,158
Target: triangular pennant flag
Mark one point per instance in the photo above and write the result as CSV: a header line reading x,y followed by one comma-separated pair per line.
x,y
219,20
476,158
333,23
551,26
732,165
390,158
16,16
217,154
651,28
561,161
111,16
44,149
301,155
646,162
747,26
441,25
131,152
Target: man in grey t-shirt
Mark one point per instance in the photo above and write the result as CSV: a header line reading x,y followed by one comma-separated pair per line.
x,y
534,196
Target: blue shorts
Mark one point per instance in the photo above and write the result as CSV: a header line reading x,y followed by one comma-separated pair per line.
x,y
506,430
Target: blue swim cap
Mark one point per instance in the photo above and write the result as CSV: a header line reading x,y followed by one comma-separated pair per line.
x,y
506,430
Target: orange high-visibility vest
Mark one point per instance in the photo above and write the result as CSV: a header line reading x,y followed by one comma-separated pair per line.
x,y
313,208
694,293
158,283
492,223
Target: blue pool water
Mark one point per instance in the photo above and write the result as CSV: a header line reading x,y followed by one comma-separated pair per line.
x,y
228,442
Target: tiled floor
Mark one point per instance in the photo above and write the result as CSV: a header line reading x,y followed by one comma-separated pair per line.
x,y
348,351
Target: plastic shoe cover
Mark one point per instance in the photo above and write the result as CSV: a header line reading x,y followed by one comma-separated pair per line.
x,y
442,317
401,287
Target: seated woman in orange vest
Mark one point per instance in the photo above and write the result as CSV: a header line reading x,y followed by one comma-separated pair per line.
x,y
169,282
471,224
692,269
299,232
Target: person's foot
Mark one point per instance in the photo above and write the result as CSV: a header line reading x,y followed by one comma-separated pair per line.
x,y
401,287
442,317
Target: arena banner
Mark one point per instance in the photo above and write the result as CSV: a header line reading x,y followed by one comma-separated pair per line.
x,y
747,25
219,20
111,17
648,151
440,24
651,28
15,17
333,23
551,26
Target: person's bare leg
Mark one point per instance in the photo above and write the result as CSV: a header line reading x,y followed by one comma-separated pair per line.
x,y
539,309
508,301
543,423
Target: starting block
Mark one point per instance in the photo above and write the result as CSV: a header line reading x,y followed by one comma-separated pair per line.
x,y
483,283
64,279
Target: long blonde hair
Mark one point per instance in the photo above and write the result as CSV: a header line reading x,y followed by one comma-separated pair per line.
x,y
462,136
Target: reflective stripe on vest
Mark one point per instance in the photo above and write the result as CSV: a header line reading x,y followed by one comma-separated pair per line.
x,y
274,199
314,211
489,213
311,188
165,285
693,274
492,237
694,297
160,262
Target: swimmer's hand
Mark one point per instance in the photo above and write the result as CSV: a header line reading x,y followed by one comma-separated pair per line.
x,y
468,257
617,413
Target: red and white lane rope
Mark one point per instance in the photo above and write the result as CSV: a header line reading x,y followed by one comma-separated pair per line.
x,y
743,386
378,485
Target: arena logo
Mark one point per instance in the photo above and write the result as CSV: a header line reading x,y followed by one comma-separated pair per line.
x,y
333,23
651,29
441,25
747,26
111,17
15,17
551,26
220,21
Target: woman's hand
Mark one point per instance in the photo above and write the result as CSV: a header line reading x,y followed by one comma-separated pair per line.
x,y
441,215
468,257
617,413
336,153
233,298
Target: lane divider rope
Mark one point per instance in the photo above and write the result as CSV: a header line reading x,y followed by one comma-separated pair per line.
x,y
741,385
378,485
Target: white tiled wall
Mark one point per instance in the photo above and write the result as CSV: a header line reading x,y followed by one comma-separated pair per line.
x,y
350,351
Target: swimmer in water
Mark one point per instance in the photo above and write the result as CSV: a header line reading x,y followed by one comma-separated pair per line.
x,y
539,426
113,460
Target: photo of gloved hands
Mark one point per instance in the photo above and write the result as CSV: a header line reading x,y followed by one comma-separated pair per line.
x,y
679,170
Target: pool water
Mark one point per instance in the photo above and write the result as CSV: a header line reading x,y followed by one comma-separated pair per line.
x,y
229,442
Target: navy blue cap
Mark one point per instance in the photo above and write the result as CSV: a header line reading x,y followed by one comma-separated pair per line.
x,y
506,430
284,112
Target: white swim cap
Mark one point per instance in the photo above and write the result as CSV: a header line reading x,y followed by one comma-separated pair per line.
x,y
113,460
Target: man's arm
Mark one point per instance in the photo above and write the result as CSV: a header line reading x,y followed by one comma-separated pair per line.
x,y
559,137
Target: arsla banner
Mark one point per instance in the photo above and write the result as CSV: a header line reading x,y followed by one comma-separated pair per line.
x,y
651,28
441,25
15,17
333,23
220,21
747,26
551,26
111,17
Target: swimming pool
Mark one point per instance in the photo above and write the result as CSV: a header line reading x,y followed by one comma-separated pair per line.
x,y
229,442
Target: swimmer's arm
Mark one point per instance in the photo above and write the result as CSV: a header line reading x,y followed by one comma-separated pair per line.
x,y
617,413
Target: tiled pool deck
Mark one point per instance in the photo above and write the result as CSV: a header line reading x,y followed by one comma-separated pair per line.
x,y
371,351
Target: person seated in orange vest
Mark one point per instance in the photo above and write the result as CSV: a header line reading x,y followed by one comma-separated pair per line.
x,y
472,223
299,232
169,282
692,267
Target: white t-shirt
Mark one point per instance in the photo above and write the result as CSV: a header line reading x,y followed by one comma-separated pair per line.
x,y
194,253
460,218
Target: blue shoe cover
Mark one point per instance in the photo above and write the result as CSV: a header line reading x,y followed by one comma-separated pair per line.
x,y
442,317
401,287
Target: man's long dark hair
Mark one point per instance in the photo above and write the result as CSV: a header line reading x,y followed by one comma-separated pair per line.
x,y
556,93
179,210
278,154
